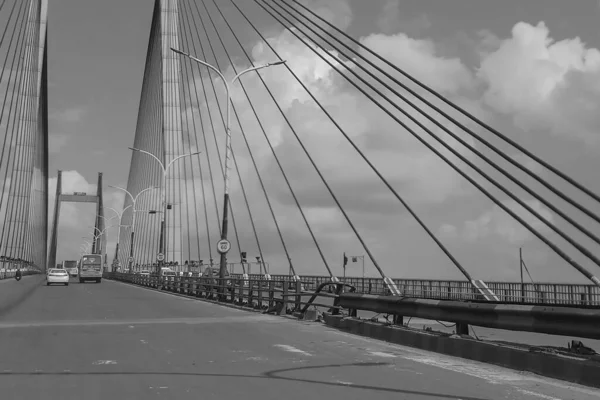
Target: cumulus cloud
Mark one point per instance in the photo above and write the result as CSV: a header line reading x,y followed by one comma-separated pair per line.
x,y
543,84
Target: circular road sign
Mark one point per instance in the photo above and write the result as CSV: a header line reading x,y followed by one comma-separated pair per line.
x,y
223,246
160,257
131,259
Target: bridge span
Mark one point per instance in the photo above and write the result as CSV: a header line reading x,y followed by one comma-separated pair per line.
x,y
112,340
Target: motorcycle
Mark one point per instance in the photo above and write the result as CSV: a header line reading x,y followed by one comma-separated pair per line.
x,y
18,276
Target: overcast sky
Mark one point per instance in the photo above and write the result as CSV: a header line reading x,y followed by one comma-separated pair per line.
x,y
529,69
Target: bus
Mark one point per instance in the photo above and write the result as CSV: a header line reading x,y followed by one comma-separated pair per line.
x,y
90,268
70,266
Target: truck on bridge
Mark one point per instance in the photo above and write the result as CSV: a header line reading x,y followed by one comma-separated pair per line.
x,y
90,268
70,266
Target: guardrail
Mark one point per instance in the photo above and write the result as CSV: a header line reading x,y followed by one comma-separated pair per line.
x,y
285,297
564,321
507,292
271,296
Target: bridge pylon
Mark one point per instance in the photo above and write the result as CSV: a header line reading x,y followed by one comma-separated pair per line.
x,y
99,234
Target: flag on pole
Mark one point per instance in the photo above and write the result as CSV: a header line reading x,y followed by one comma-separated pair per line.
x,y
345,261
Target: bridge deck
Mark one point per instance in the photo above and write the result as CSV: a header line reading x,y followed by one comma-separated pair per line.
x,y
117,341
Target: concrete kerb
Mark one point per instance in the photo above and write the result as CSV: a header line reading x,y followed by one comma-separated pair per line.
x,y
571,369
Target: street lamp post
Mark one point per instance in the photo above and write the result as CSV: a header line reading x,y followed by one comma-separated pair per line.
x,y
133,203
106,221
224,245
89,244
165,169
120,216
99,235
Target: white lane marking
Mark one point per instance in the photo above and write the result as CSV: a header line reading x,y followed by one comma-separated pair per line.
x,y
475,367
540,395
344,383
188,321
381,354
104,362
144,341
292,349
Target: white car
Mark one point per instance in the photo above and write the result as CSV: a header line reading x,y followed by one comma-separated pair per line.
x,y
57,276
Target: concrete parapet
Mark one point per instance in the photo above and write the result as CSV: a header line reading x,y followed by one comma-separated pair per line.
x,y
573,369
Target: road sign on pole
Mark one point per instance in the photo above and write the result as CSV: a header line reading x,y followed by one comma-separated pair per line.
x,y
131,259
223,246
160,257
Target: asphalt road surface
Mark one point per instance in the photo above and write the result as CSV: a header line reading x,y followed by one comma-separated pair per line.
x,y
115,341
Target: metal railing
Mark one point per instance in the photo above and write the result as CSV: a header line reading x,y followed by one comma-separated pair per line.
x,y
562,294
271,296
284,296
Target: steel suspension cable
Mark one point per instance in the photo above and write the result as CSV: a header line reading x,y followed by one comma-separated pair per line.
x,y
18,158
550,244
285,177
12,10
325,183
29,131
186,104
209,112
523,186
468,115
187,74
207,152
16,56
183,100
404,203
11,117
241,129
285,248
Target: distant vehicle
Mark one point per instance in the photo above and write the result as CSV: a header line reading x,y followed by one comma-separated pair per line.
x,y
90,268
214,273
70,266
145,272
57,275
167,272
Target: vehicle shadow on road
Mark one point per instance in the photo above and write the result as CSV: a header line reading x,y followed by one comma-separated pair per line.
x,y
274,375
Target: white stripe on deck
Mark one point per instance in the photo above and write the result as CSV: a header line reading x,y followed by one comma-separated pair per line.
x,y
292,349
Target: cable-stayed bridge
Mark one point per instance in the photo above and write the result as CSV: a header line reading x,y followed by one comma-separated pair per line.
x,y
232,185
194,151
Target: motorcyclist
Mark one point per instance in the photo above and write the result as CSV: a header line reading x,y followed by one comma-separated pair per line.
x,y
18,274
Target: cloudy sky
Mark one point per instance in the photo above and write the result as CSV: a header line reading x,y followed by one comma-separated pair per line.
x,y
529,69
